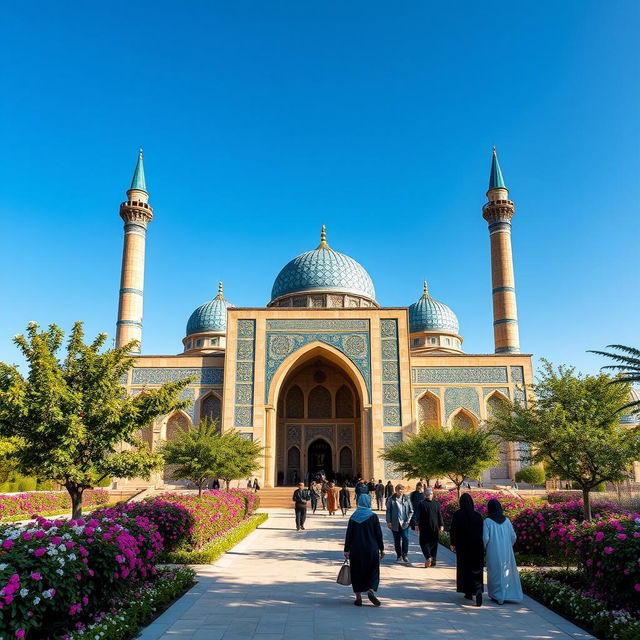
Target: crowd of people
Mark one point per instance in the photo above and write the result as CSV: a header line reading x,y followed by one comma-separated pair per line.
x,y
474,540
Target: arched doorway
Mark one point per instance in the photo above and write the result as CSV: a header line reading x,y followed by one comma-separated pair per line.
x,y
320,458
319,400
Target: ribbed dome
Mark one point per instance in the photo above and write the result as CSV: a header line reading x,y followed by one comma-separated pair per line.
x,y
634,417
210,316
323,269
428,314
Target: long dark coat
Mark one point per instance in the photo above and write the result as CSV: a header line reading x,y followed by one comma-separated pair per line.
x,y
344,498
364,543
466,537
429,519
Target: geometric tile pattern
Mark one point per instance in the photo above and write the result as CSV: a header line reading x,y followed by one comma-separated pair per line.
x,y
428,314
503,390
323,269
517,374
245,352
456,397
391,416
210,316
481,375
389,439
159,375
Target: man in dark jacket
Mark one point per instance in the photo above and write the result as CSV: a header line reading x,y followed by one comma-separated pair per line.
x,y
429,523
416,498
380,496
361,487
300,499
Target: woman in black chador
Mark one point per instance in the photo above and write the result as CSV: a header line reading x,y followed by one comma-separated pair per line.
x,y
466,542
364,546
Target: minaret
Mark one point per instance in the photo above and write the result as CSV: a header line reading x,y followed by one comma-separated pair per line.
x,y
498,213
136,214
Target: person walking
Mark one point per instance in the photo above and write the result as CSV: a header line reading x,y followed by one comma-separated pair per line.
x,y
388,491
344,499
379,496
468,545
371,486
300,499
364,548
416,497
361,487
399,513
332,498
503,581
324,486
429,523
256,485
315,492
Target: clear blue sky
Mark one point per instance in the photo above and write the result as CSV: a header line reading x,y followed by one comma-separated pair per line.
x,y
261,121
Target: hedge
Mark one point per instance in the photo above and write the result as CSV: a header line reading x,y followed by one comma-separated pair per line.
x,y
212,551
27,505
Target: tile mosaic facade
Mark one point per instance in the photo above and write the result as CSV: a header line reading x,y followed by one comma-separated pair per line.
x,y
389,439
456,397
489,390
418,391
245,353
391,415
156,375
284,337
517,374
444,375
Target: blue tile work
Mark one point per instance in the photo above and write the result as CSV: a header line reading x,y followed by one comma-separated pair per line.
x,y
418,391
284,337
456,397
481,375
159,375
517,374
245,353
189,394
503,390
391,416
389,439
520,396
246,436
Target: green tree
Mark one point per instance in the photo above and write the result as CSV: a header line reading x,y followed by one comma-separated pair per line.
x,y
628,368
74,420
571,425
456,454
532,475
239,457
197,454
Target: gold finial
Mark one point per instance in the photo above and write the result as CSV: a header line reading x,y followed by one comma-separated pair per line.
x,y
425,289
220,295
323,238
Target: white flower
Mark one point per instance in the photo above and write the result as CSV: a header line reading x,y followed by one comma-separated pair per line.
x,y
24,592
36,600
62,547
47,594
52,552
61,562
60,572
72,556
3,566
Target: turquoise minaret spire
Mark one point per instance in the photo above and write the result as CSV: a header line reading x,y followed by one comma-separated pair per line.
x,y
138,183
496,181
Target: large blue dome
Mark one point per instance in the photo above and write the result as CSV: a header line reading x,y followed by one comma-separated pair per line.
x,y
323,269
428,314
210,316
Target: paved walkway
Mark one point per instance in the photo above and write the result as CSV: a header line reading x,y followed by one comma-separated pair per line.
x,y
280,584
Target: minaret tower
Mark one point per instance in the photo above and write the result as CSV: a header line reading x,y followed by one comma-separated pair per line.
x,y
498,213
136,214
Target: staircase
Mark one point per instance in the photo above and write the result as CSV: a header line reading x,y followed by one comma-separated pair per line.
x,y
278,497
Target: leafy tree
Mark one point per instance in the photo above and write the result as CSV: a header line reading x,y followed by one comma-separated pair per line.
x,y
198,454
74,420
455,453
572,426
532,475
239,457
628,367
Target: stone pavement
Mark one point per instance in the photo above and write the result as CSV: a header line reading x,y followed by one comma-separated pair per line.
x,y
280,584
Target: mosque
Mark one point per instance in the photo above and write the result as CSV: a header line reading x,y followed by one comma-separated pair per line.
x,y
323,376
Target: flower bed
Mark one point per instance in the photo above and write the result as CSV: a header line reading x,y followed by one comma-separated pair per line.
x,y
213,513
606,550
139,608
41,502
555,497
561,592
53,573
251,499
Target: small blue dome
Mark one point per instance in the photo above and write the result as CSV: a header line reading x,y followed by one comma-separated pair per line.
x,y
428,314
210,316
323,269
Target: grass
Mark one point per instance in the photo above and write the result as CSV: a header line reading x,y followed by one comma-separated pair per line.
x,y
214,549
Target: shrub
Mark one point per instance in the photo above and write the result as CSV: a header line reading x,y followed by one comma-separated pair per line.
x,y
173,521
555,497
43,502
214,512
53,572
531,475
251,499
212,551
606,552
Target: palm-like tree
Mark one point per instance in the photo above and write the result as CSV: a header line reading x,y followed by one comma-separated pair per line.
x,y
627,366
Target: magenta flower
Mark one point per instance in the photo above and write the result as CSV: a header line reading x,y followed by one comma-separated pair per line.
x,y
609,550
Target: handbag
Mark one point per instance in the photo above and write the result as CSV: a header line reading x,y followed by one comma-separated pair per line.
x,y
344,575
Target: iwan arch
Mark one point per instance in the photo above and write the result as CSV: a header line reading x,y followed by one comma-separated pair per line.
x,y
323,376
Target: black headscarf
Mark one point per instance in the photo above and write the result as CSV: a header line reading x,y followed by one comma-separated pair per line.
x,y
494,509
466,503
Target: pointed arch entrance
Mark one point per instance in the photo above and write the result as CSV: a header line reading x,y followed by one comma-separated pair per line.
x,y
319,405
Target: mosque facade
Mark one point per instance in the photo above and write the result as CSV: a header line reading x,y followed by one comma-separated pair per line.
x,y
323,376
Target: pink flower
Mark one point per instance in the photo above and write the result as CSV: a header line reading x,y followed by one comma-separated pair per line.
x,y
609,550
7,544
20,633
36,576
622,536
39,552
599,536
637,587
